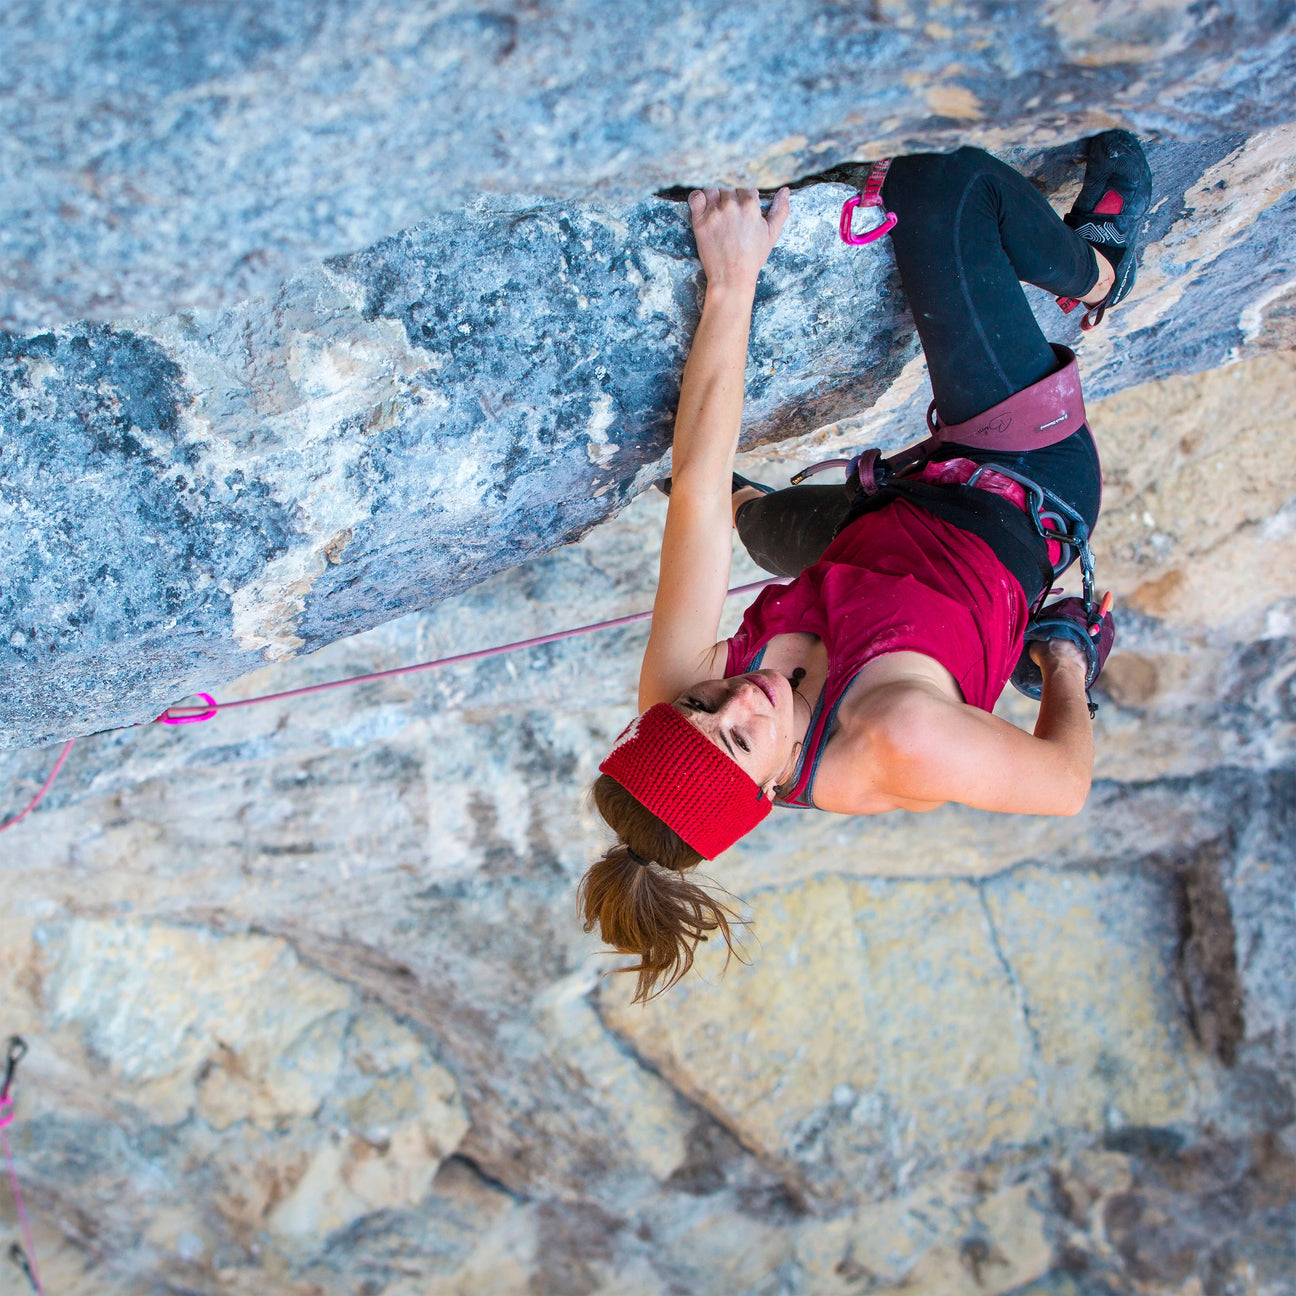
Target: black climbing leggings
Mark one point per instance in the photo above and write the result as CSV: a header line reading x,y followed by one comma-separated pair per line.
x,y
969,229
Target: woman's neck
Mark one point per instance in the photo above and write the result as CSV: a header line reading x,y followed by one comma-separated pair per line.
x,y
804,660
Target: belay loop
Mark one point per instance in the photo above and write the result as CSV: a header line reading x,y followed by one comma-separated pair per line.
x,y
870,196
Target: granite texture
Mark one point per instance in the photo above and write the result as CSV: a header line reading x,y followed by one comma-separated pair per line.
x,y
172,156
325,318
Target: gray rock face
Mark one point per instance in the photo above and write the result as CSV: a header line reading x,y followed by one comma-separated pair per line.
x,y
187,496
310,1009
168,156
381,434
323,313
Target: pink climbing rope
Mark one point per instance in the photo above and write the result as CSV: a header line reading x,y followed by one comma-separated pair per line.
x,y
196,714
16,1050
45,787
210,708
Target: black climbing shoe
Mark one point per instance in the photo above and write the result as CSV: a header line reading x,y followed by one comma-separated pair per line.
x,y
1068,618
1113,200
739,483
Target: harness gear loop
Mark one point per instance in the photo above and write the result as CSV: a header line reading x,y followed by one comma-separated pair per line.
x,y
871,196
1069,529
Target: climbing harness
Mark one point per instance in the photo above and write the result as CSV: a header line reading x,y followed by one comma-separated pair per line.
x,y
1043,414
180,714
1053,518
24,1259
1040,415
869,196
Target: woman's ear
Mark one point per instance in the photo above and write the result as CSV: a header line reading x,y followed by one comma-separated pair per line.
x,y
785,774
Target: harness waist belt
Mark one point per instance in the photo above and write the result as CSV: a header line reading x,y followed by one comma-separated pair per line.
x,y
1040,415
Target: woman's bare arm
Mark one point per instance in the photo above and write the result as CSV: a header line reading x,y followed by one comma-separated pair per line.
x,y
924,748
734,239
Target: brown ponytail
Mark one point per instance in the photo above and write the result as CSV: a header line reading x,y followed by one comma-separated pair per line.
x,y
649,909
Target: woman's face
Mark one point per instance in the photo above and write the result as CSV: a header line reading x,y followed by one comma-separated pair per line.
x,y
750,718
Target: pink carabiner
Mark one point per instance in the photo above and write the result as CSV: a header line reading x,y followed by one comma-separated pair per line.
x,y
167,718
848,234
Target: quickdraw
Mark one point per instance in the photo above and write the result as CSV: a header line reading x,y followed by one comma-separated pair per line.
x,y
869,196
24,1259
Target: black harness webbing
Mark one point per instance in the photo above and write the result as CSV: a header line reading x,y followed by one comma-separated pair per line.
x,y
1004,527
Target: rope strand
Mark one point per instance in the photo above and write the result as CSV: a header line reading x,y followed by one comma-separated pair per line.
x,y
183,714
45,787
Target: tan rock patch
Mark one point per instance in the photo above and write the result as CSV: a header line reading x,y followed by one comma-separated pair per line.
x,y
922,1022
1131,678
1198,473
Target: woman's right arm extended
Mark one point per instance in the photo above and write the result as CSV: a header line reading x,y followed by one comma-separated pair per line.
x,y
734,239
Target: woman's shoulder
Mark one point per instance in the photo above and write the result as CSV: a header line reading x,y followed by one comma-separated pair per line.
x,y
885,726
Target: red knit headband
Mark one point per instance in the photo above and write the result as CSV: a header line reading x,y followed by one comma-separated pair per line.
x,y
692,786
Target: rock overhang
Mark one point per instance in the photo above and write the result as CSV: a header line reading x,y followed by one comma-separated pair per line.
x,y
189,495
171,160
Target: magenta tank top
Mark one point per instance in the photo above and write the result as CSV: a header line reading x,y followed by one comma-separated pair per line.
x,y
897,580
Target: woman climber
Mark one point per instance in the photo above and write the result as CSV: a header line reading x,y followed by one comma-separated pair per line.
x,y
866,683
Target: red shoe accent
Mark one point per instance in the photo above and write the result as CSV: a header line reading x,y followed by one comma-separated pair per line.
x,y
1110,204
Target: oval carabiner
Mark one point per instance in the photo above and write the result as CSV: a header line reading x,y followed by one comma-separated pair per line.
x,y
167,718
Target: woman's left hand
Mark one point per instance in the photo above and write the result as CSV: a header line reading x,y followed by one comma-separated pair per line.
x,y
734,236
1048,653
